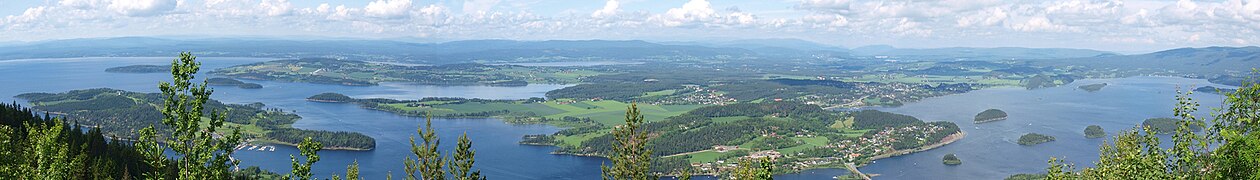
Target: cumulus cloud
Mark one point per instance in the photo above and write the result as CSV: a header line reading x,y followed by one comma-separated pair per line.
x,y
142,7
390,9
610,9
278,7
701,13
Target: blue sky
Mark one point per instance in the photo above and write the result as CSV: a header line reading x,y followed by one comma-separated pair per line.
x,y
1116,25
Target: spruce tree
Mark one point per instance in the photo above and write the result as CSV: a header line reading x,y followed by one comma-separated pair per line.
x,y
631,159
428,161
462,161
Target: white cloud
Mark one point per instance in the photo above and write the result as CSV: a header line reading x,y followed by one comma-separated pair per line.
x,y
390,9
278,7
1039,23
142,7
473,6
701,13
610,9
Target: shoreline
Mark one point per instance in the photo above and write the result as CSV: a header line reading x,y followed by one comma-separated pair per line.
x,y
944,141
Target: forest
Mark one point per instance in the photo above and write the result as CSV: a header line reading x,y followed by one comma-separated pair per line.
x,y
120,113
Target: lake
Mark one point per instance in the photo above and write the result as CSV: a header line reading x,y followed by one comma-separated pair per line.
x,y
988,152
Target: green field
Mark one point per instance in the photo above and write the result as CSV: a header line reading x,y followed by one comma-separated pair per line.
x,y
606,112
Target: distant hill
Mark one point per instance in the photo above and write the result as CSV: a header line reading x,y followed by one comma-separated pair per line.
x,y
1207,61
968,53
432,53
773,47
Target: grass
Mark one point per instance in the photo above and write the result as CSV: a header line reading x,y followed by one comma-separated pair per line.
x,y
706,156
606,112
855,133
660,93
577,139
809,142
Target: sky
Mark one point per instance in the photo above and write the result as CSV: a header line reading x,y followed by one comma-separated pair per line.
x,y
1114,25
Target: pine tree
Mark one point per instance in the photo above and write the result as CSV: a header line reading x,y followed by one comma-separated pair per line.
x,y
429,161
352,171
49,157
631,159
462,161
309,149
202,156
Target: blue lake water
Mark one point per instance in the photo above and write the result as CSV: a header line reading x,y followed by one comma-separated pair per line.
x,y
988,152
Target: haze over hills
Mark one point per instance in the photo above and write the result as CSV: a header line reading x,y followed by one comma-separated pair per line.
x,y
508,50
970,53
1208,60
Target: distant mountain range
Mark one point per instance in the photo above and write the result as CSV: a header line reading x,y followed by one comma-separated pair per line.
x,y
436,53
967,53
1208,60
503,50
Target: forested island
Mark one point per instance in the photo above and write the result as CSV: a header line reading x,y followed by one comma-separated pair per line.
x,y
119,113
1165,125
951,159
1213,90
219,81
990,115
360,73
1034,139
1092,87
331,98
139,69
1094,131
1044,81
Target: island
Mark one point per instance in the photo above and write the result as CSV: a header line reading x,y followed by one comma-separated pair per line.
x,y
1213,90
1165,125
951,159
139,69
119,113
361,73
1094,131
331,98
1034,139
219,81
990,115
1093,87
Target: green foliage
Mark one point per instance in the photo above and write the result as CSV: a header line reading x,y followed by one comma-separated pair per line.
x,y
201,155
352,171
990,115
1034,139
309,149
951,159
750,169
870,119
428,161
630,157
1094,131
462,161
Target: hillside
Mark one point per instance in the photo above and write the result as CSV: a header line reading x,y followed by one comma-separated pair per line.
x,y
968,53
120,113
